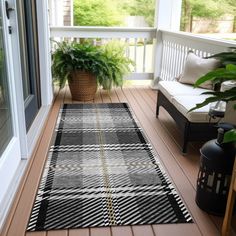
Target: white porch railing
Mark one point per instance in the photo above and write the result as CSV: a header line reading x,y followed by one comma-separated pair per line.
x,y
139,43
157,54
172,49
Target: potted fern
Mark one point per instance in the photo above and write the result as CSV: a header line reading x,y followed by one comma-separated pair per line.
x,y
227,72
119,64
80,65
85,65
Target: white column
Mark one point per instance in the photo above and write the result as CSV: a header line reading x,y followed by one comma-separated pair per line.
x,y
56,12
167,17
72,12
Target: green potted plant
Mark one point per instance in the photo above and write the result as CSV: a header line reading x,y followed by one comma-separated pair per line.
x,y
227,72
85,65
119,64
80,65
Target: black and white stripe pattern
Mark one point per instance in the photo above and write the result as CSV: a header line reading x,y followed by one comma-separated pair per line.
x,y
101,171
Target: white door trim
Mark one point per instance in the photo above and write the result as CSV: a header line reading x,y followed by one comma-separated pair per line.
x,y
11,158
17,75
29,140
12,166
45,74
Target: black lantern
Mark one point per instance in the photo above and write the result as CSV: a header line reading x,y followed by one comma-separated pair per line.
x,y
216,165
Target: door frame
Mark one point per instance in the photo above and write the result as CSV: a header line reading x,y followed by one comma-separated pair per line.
x,y
28,30
11,156
28,140
13,163
46,82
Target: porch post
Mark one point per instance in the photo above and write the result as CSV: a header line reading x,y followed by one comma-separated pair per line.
x,y
56,12
72,12
167,17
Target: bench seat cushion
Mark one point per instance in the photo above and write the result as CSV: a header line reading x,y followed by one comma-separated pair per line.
x,y
185,103
174,88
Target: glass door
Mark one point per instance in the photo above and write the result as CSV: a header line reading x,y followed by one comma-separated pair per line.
x,y
6,129
27,19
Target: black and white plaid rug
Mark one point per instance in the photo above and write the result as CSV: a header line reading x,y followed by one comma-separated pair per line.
x,y
101,172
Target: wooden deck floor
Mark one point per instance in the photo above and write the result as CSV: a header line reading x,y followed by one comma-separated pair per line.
x,y
165,138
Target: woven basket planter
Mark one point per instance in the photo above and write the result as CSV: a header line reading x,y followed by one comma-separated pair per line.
x,y
83,86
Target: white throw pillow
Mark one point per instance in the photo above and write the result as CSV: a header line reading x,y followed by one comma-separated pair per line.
x,y
195,67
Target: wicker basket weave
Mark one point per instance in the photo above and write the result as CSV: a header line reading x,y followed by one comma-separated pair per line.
x,y
83,86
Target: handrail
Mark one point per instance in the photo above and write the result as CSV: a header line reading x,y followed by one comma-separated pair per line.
x,y
102,32
169,52
172,49
199,38
136,51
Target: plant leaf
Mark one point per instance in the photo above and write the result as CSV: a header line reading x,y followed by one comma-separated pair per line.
x,y
204,103
230,136
231,67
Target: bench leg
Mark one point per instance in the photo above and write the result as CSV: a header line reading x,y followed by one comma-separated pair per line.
x,y
157,110
184,148
186,138
158,105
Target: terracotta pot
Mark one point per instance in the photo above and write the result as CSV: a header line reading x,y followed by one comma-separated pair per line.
x,y
83,86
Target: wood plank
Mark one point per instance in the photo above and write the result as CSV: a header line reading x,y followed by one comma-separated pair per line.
x,y
102,231
22,213
152,94
41,233
175,172
143,230
113,96
57,233
120,95
121,231
79,232
68,97
168,122
98,98
105,96
146,94
176,230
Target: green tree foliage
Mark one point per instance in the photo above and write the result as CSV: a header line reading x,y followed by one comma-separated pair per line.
x,y
232,6
232,10
200,8
96,13
144,8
